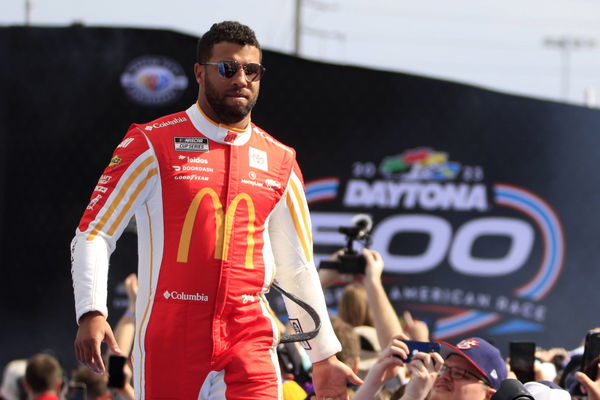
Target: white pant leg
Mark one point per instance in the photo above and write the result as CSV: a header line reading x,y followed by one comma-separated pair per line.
x,y
214,386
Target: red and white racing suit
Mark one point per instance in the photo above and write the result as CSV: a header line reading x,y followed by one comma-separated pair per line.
x,y
220,213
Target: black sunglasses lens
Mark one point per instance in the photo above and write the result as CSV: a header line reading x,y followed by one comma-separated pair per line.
x,y
252,69
228,69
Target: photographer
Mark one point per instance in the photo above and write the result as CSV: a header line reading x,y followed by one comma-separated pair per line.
x,y
383,314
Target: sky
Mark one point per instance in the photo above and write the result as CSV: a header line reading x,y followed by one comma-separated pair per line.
x,y
546,49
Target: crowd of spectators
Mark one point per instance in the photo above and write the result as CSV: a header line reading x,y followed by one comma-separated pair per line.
x,y
374,345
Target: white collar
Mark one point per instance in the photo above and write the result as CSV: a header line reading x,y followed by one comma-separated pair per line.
x,y
217,132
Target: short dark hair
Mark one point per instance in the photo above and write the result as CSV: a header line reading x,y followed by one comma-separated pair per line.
x,y
226,31
94,383
43,372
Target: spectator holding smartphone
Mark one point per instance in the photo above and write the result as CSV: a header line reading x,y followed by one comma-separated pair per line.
x,y
591,388
473,370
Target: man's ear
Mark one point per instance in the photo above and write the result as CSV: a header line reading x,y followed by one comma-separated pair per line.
x,y
489,393
59,385
198,73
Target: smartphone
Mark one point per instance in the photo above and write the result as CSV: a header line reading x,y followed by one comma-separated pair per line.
x,y
522,359
116,372
76,391
415,347
591,352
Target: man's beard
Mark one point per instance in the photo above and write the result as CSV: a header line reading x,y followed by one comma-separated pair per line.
x,y
227,113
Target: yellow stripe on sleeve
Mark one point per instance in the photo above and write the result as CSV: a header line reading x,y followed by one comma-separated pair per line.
x,y
301,226
134,195
113,206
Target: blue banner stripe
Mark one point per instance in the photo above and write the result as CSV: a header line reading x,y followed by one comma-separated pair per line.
x,y
553,249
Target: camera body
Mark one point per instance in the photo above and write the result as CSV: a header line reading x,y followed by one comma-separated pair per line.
x,y
512,389
350,261
347,263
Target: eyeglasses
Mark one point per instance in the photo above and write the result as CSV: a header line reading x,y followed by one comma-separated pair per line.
x,y
458,373
227,69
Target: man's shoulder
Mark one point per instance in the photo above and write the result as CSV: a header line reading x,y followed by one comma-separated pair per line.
x,y
259,132
170,120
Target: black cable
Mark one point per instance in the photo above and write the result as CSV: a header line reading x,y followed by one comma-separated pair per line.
x,y
302,336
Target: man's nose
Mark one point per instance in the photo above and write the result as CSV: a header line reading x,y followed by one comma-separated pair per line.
x,y
444,374
239,78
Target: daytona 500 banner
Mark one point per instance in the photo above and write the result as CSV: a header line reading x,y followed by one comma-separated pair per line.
x,y
484,204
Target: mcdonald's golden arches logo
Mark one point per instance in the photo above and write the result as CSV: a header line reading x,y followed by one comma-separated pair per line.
x,y
223,226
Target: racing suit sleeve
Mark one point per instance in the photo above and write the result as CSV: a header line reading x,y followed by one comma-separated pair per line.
x,y
122,188
291,240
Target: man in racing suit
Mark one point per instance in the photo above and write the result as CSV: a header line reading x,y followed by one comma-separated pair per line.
x,y
220,211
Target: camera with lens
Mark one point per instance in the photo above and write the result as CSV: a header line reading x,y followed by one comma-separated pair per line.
x,y
350,261
512,389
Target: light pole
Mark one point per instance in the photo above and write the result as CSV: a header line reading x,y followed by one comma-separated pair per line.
x,y
299,30
28,7
566,45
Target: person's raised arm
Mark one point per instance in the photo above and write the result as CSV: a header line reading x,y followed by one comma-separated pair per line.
x,y
389,360
125,329
385,319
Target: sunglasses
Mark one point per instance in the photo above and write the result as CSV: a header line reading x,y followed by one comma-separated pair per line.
x,y
227,69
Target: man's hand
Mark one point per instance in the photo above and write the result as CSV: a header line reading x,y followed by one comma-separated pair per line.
x,y
93,330
388,364
329,379
374,266
416,330
590,387
424,369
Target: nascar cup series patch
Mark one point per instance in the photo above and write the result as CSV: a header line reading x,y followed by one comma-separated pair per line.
x,y
195,144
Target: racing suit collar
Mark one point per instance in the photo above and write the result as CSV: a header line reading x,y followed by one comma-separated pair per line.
x,y
217,132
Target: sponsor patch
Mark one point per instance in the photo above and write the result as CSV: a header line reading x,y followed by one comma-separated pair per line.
x,y
93,202
199,145
104,179
190,178
258,159
125,143
298,329
230,137
175,295
116,160
248,298
273,184
174,121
